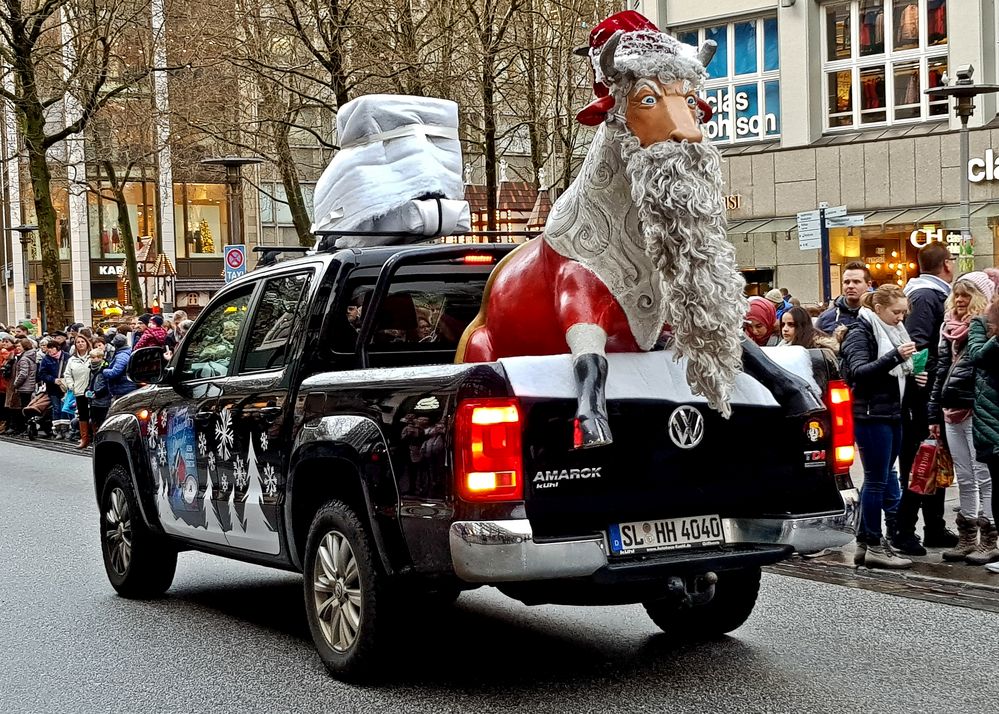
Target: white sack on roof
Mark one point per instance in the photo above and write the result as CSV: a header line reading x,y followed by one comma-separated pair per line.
x,y
396,151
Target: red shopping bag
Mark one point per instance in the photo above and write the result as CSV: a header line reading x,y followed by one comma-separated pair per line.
x,y
923,479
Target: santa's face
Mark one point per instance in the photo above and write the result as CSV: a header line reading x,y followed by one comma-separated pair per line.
x,y
658,111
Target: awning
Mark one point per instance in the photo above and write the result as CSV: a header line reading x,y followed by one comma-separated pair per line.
x,y
881,218
778,225
914,215
198,284
741,227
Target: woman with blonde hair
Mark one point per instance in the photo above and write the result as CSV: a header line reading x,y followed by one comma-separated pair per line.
x,y
952,401
876,356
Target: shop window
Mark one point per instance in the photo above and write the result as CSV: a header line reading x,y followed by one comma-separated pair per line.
x,y
887,53
105,234
200,219
743,86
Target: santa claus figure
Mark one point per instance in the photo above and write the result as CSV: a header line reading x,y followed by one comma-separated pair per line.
x,y
636,243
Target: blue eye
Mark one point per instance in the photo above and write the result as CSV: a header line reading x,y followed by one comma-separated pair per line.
x,y
691,101
648,101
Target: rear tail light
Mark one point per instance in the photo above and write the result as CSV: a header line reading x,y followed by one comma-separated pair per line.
x,y
840,403
488,452
478,259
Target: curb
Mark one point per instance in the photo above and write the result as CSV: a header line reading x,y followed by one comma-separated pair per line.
x,y
48,445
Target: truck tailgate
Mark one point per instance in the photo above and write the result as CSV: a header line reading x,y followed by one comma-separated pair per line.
x,y
757,463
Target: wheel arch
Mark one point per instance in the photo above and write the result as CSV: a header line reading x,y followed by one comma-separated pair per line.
x,y
334,463
122,445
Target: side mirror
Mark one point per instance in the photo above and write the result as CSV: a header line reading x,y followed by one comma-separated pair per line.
x,y
146,366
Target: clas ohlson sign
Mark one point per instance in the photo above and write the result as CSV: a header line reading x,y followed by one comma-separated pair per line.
x,y
984,169
738,113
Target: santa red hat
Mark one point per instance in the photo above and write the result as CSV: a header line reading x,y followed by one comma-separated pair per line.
x,y
633,25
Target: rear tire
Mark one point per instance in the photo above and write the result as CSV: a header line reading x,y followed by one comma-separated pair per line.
x,y
347,599
735,597
139,563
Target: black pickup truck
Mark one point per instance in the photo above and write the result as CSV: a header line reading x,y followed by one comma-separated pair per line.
x,y
314,420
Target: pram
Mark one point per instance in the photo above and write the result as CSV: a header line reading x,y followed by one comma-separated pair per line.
x,y
38,415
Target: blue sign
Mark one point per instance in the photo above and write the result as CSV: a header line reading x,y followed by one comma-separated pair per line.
x,y
235,262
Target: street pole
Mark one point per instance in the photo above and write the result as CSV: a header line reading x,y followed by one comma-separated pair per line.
x,y
826,255
234,192
25,234
964,91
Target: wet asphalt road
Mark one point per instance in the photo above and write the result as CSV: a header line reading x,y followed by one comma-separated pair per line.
x,y
231,637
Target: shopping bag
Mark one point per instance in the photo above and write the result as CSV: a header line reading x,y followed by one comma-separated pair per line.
x,y
944,468
923,478
68,403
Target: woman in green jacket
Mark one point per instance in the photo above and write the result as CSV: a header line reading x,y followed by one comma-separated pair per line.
x,y
983,351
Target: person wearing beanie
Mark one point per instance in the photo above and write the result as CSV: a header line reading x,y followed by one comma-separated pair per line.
x,y
761,321
153,335
118,383
777,298
950,409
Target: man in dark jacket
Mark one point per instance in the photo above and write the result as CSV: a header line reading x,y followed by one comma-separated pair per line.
x,y
118,383
50,371
856,282
927,295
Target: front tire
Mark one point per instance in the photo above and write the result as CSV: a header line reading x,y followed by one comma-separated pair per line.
x,y
139,563
735,596
347,601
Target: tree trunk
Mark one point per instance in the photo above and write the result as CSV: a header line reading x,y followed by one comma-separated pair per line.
x,y
45,214
292,186
127,239
489,137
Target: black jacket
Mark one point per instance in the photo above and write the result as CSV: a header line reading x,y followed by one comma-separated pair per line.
x,y
875,391
839,314
954,383
926,314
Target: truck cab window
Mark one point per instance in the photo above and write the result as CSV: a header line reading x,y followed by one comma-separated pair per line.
x,y
277,319
209,347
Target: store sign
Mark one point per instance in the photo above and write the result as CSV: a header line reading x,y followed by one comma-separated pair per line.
x,y
923,237
725,104
115,270
986,169
733,201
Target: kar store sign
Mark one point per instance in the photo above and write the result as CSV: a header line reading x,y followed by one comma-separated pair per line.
x,y
728,120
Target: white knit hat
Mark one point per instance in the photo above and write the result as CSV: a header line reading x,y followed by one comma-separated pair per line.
x,y
985,280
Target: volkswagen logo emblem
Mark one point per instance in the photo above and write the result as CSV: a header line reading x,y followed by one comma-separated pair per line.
x,y
686,427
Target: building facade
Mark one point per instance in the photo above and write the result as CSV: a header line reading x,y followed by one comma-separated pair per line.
x,y
825,102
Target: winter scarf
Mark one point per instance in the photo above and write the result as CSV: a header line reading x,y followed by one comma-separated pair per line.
x,y
763,311
889,337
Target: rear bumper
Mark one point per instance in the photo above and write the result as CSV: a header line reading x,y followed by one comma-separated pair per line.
x,y
506,551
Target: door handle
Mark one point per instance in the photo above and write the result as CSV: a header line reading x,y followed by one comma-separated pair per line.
x,y
270,413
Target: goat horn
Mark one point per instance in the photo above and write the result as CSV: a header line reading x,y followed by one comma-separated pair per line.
x,y
707,52
607,68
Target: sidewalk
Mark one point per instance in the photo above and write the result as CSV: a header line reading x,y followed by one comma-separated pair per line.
x,y
930,575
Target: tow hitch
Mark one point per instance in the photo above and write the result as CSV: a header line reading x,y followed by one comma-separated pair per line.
x,y
693,590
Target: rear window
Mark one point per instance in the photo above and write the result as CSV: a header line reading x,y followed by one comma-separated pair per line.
x,y
424,317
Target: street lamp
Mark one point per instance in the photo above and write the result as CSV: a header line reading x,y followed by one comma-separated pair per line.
x,y
964,91
25,234
234,191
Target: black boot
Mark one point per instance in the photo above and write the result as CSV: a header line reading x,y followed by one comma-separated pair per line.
x,y
592,427
791,391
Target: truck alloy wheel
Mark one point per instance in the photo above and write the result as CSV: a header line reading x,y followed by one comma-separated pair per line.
x,y
118,531
138,562
337,591
347,597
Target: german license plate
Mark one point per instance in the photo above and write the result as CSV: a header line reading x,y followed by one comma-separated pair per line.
x,y
664,534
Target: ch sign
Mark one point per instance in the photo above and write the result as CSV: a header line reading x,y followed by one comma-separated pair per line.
x,y
922,238
986,169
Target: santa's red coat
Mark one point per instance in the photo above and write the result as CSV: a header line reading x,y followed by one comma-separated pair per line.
x,y
534,296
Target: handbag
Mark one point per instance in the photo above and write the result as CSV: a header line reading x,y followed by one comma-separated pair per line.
x,y
923,478
68,403
943,468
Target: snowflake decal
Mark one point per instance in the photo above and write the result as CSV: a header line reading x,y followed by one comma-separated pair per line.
x,y
223,434
161,455
211,462
202,444
263,441
224,483
269,481
154,426
239,473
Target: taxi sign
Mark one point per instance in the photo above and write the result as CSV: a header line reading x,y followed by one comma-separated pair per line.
x,y
234,262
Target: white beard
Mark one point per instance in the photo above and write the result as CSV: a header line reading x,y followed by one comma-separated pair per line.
x,y
677,190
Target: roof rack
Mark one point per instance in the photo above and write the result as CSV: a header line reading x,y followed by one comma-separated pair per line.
x,y
269,253
327,239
